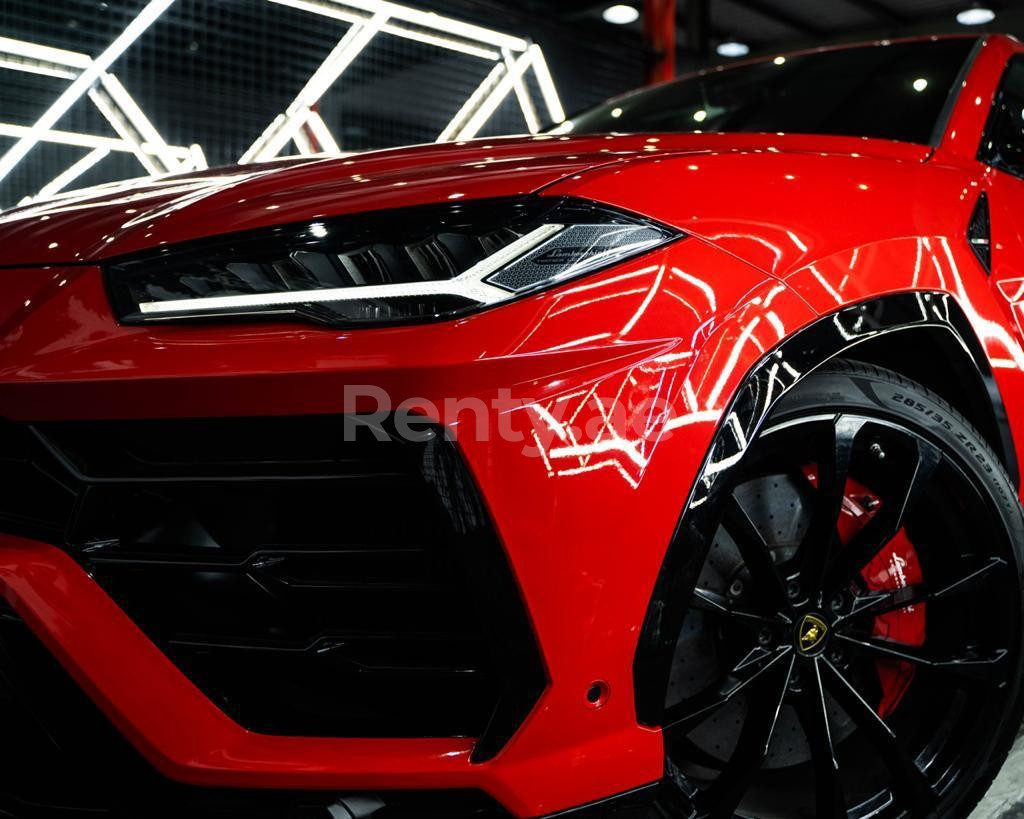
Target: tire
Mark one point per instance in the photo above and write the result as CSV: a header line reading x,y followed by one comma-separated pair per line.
x,y
867,575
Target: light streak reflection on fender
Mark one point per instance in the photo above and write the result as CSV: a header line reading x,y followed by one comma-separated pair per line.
x,y
618,422
991,332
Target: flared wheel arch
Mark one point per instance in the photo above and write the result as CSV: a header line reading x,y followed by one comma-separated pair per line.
x,y
875,331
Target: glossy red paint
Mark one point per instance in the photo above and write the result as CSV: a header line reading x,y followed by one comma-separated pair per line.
x,y
150,213
783,230
587,615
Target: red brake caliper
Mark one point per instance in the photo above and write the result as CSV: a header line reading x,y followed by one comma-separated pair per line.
x,y
895,567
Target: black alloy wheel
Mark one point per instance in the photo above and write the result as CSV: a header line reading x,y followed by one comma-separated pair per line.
x,y
853,643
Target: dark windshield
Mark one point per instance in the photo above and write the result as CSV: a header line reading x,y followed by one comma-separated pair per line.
x,y
895,91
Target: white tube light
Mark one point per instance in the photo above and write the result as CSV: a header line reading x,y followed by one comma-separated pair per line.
x,y
349,16
81,140
20,55
347,49
438,22
150,136
547,85
196,160
78,88
495,98
522,94
62,180
302,142
428,20
46,54
442,42
468,284
111,115
454,35
36,67
340,58
255,149
473,103
322,133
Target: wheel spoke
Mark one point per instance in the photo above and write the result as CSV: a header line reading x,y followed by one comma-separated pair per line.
x,y
755,553
812,711
884,526
989,669
878,603
718,604
971,582
753,667
726,792
909,784
833,467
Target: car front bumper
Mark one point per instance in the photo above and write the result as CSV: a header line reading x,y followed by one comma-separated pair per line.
x,y
599,401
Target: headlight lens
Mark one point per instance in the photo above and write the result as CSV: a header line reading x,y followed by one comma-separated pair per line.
x,y
415,264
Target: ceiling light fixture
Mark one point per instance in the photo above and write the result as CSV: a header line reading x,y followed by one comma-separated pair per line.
x,y
620,14
733,48
975,16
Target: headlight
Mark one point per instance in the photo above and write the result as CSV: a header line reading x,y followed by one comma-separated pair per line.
x,y
414,264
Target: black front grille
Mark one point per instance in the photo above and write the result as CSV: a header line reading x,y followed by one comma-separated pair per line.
x,y
61,759
313,575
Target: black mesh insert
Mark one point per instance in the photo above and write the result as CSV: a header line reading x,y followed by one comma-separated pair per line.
x,y
62,758
308,584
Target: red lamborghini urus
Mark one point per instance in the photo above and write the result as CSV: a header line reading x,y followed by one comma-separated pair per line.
x,y
661,465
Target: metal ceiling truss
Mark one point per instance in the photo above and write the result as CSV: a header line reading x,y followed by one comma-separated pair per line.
x,y
513,58
90,77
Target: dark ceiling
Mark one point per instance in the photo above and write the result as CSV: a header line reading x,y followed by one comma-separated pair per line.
x,y
765,24
216,72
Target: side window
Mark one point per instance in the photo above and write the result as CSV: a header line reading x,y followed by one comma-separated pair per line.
x,y
1002,146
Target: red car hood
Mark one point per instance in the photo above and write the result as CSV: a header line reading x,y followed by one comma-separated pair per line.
x,y
131,216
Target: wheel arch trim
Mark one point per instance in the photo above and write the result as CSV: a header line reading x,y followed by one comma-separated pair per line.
x,y
831,336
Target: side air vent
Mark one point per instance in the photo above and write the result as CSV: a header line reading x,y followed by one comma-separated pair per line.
x,y
979,233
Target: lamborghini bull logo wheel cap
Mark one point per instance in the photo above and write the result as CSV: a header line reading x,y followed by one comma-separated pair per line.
x,y
811,634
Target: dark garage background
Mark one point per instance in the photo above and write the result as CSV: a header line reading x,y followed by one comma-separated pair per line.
x,y
216,72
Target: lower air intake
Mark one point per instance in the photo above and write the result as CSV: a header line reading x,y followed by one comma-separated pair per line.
x,y
63,760
310,582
